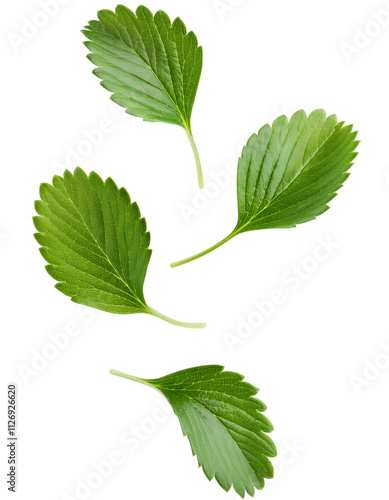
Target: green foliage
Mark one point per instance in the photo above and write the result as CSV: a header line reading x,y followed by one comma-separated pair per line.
x,y
224,423
95,242
289,171
151,66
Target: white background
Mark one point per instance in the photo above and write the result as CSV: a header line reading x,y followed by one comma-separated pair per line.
x,y
309,355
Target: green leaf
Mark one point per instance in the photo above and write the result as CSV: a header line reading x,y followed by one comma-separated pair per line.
x,y
289,171
151,66
224,424
96,243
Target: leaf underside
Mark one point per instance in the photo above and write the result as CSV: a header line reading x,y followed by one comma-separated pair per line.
x,y
151,66
289,171
224,424
95,242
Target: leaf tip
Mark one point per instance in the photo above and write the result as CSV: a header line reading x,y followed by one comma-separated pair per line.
x,y
142,9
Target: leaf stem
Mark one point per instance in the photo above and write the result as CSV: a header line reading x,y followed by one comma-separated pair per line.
x,y
131,377
197,158
175,322
204,252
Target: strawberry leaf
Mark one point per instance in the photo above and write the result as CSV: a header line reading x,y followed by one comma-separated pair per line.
x,y
151,65
224,423
289,172
96,243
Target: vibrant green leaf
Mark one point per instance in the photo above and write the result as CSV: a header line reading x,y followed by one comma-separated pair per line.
x,y
224,424
95,242
290,171
151,66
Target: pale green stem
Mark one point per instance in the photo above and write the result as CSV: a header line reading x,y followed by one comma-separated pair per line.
x,y
130,377
175,322
198,255
197,158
